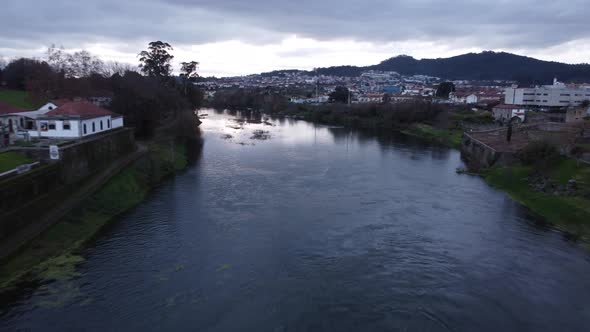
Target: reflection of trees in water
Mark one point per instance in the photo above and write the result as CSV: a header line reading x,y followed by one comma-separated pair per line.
x,y
386,139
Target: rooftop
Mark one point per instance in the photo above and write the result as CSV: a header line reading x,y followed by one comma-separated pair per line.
x,y
83,109
7,108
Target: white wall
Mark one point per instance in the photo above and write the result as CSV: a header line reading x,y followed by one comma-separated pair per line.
x,y
546,96
117,122
59,131
76,127
96,121
471,99
5,120
47,107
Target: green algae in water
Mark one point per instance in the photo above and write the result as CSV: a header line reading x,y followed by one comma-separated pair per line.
x,y
61,267
123,191
223,267
60,294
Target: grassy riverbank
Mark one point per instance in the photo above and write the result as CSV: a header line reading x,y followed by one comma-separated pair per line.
x,y
55,253
448,137
569,211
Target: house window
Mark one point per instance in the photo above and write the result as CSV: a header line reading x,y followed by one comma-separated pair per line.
x,y
93,126
67,125
565,94
22,122
51,125
43,126
85,131
100,124
108,123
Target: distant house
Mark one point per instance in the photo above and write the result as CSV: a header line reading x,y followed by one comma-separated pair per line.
x,y
505,113
371,98
575,115
460,97
75,119
490,98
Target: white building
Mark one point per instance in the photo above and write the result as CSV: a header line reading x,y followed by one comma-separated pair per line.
x,y
70,120
556,95
505,113
463,98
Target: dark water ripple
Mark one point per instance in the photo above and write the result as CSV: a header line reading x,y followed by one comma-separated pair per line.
x,y
319,229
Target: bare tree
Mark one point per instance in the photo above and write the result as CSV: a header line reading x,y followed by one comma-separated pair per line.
x,y
114,67
58,59
84,64
78,64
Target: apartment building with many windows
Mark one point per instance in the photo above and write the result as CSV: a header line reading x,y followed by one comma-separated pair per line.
x,y
547,96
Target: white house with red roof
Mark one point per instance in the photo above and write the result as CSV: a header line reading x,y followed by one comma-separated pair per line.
x,y
10,121
73,119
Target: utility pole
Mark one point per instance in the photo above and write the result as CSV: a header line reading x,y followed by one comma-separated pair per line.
x,y
349,99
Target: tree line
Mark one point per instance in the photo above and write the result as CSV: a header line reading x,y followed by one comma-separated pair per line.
x,y
148,95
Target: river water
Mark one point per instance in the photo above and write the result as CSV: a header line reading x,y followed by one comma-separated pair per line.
x,y
318,229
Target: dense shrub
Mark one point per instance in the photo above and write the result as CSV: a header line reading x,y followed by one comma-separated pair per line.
x,y
539,154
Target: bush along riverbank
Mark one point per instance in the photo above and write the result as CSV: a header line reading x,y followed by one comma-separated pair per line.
x,y
554,187
448,137
56,252
436,123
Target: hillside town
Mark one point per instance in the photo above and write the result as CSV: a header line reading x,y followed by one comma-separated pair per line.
x,y
506,99
369,87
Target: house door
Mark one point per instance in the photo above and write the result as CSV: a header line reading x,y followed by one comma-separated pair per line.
x,y
10,125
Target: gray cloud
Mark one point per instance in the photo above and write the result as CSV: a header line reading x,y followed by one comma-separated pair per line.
x,y
526,24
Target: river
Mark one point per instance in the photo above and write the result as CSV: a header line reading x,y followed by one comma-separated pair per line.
x,y
318,229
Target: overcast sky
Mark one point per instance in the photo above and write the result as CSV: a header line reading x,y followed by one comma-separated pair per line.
x,y
235,37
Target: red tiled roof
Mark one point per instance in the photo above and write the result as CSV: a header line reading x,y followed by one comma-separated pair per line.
x,y
60,102
83,109
7,108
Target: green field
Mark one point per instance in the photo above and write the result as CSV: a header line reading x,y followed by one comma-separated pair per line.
x,y
9,160
16,98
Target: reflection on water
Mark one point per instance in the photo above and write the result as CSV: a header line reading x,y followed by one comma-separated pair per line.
x,y
318,228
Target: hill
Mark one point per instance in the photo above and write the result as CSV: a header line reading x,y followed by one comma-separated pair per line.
x,y
476,66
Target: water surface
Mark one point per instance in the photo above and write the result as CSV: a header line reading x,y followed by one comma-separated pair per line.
x,y
319,229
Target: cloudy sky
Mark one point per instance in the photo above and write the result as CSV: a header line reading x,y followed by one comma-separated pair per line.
x,y
236,37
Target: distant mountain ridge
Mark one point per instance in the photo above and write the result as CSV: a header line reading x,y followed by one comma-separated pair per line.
x,y
483,66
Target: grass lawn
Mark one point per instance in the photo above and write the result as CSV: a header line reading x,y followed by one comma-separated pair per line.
x,y
16,98
9,160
